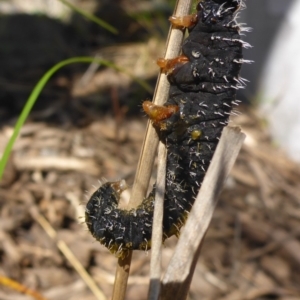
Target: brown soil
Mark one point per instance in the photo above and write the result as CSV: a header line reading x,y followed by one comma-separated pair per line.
x,y
252,249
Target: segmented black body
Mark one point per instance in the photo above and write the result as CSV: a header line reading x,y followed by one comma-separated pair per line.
x,y
204,88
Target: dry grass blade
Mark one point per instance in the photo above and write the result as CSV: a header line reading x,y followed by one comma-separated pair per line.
x,y
149,147
20,288
63,247
180,271
157,234
87,166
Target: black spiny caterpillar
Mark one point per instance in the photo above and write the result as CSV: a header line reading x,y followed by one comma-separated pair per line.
x,y
204,80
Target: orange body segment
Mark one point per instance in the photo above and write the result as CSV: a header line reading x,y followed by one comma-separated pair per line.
x,y
158,113
184,21
168,65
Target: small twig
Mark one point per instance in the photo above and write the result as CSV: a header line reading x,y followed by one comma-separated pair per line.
x,y
65,250
5,281
177,279
65,163
149,147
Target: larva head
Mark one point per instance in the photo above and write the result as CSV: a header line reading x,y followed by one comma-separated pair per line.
x,y
215,11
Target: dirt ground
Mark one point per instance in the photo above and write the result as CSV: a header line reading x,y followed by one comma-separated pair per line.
x,y
89,128
252,249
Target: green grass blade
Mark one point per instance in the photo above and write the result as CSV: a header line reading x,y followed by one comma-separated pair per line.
x,y
91,17
38,88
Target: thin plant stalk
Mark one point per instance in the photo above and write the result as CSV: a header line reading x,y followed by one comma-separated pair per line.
x,y
149,147
157,232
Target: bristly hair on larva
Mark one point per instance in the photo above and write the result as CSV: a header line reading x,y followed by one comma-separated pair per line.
x,y
203,84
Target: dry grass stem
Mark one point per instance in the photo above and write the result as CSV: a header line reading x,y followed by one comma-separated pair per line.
x,y
149,147
161,93
121,279
65,250
180,271
42,163
15,285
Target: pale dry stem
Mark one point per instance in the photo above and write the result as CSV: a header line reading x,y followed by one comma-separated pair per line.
x,y
149,147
